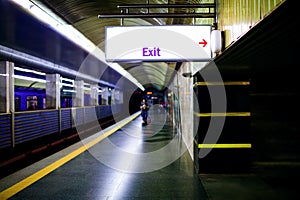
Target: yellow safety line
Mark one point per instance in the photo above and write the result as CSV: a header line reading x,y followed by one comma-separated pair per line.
x,y
227,114
209,146
9,192
222,83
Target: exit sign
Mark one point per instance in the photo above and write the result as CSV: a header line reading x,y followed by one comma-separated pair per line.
x,y
158,43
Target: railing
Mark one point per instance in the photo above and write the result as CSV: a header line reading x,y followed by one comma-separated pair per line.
x,y
20,127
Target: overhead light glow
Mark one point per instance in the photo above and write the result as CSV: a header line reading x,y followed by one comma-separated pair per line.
x,y
5,75
72,91
29,79
41,12
66,79
29,71
67,85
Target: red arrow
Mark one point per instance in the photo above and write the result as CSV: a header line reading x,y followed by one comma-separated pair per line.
x,y
204,42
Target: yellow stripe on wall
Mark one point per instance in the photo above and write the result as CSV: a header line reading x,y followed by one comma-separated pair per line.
x,y
227,114
223,83
210,146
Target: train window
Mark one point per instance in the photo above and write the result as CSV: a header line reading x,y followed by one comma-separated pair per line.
x,y
109,100
17,103
32,102
87,99
100,100
66,102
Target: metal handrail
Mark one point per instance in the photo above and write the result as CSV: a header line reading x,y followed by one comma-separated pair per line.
x,y
204,5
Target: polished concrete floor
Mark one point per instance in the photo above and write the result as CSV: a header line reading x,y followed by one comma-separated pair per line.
x,y
86,178
147,162
109,169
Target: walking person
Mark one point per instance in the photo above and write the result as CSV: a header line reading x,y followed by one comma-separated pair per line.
x,y
144,111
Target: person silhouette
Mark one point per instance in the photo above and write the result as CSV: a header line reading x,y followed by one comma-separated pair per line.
x,y
144,111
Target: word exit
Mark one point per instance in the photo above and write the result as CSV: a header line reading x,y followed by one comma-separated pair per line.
x,y
151,51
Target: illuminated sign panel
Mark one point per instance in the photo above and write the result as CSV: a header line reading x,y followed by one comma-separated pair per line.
x,y
158,43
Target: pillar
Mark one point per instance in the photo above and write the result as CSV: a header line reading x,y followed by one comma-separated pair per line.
x,y
105,96
7,94
94,94
53,91
113,97
79,93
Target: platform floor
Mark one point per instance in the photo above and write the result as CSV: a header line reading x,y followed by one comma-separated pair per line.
x,y
116,169
108,170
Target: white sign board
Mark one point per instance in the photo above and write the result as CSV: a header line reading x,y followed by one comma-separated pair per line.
x,y
158,43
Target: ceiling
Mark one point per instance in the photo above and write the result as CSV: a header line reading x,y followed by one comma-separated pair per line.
x,y
83,15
